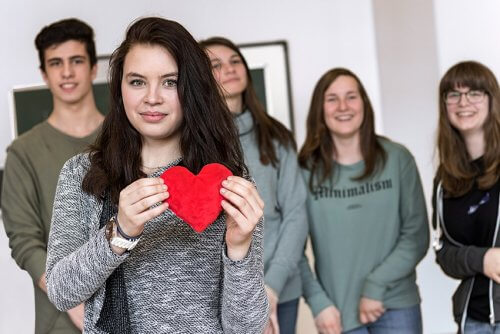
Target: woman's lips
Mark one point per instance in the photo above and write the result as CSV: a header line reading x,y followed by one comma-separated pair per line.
x,y
152,116
230,80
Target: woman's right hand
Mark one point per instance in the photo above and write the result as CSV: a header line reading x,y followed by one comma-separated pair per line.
x,y
491,264
134,206
328,321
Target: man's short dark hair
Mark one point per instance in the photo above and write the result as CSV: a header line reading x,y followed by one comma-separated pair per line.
x,y
63,31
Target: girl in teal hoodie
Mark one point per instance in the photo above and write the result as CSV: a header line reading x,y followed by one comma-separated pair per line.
x,y
270,155
367,216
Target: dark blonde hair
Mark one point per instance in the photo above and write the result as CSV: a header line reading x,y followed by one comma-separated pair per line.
x,y
318,150
266,127
455,170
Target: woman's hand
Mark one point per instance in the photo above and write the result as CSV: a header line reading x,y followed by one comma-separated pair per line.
x,y
370,310
491,264
77,315
134,206
272,326
328,321
244,208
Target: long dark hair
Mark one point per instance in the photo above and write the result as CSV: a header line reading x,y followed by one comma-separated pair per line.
x,y
455,170
318,150
266,127
208,133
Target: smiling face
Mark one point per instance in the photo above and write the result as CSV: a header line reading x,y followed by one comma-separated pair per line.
x,y
468,118
149,91
343,107
68,72
228,69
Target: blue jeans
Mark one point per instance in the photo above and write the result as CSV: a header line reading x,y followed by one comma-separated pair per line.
x,y
394,321
476,327
287,316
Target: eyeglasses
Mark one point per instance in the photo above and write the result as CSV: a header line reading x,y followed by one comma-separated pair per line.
x,y
473,96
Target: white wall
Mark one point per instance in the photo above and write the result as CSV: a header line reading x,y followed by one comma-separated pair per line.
x,y
321,34
408,67
399,48
468,30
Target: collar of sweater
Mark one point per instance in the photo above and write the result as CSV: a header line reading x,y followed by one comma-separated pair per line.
x,y
244,122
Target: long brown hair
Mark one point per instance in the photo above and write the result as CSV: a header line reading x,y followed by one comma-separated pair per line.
x,y
455,171
318,150
208,133
266,127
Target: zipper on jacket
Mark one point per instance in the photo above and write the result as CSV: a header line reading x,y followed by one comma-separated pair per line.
x,y
439,208
492,306
464,314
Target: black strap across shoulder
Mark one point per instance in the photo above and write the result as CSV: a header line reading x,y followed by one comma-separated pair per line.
x,y
114,317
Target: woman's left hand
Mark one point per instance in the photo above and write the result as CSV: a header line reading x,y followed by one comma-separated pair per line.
x,y
370,310
244,209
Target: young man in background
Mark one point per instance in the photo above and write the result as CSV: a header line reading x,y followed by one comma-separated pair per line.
x,y
68,61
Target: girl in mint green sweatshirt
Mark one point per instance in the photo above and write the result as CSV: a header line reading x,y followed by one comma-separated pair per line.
x,y
367,216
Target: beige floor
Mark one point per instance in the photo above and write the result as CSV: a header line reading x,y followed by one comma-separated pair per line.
x,y
305,321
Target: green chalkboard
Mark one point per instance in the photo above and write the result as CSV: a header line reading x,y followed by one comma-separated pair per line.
x,y
259,84
33,105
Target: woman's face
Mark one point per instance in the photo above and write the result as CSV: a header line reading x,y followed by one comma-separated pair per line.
x,y
228,69
467,109
343,107
149,91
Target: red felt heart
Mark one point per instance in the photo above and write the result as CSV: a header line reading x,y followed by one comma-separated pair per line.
x,y
196,198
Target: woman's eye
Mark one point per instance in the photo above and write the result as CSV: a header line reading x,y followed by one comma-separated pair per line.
x,y
216,66
352,97
236,61
170,83
136,83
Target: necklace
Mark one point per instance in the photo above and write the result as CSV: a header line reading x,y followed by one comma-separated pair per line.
x,y
152,167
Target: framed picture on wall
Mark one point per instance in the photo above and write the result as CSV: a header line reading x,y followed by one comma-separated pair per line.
x,y
269,65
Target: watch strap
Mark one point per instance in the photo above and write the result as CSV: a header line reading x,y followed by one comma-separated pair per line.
x,y
124,243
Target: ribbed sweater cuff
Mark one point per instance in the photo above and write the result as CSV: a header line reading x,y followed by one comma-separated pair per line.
x,y
318,303
35,265
475,258
276,277
373,290
238,264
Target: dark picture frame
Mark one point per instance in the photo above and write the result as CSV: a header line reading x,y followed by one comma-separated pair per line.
x,y
270,70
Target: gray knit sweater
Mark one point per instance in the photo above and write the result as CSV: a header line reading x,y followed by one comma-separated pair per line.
x,y
177,281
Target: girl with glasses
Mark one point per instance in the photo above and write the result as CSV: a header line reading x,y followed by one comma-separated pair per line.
x,y
466,194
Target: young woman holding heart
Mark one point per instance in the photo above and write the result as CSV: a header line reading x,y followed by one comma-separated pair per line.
x,y
367,216
115,245
271,157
